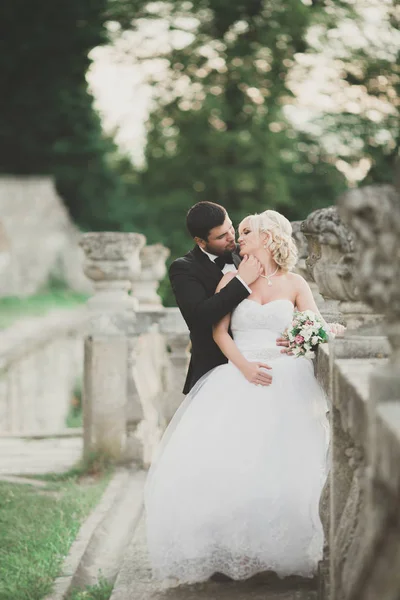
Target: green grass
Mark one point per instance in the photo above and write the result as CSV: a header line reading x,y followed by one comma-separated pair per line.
x,y
95,464
37,528
13,308
101,591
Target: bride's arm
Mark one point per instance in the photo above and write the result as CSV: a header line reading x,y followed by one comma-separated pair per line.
x,y
305,301
253,371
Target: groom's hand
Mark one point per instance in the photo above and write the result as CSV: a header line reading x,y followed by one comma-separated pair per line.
x,y
250,269
281,341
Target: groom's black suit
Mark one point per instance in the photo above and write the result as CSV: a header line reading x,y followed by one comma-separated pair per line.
x,y
194,278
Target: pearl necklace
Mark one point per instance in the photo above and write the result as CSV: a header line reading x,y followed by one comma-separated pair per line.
x,y
268,277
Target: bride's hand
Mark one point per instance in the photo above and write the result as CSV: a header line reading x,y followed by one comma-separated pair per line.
x,y
336,329
254,373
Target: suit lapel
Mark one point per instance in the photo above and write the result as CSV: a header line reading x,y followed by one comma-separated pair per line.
x,y
207,265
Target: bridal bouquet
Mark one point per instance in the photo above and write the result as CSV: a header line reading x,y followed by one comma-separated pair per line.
x,y
306,333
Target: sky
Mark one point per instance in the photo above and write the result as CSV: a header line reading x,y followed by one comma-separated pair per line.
x,y
123,97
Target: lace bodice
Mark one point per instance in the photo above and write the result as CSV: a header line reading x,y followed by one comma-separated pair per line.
x,y
255,327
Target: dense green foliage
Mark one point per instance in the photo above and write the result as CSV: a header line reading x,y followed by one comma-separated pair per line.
x,y
218,132
367,126
47,121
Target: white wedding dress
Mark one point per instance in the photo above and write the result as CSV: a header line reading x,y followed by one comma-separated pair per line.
x,y
237,479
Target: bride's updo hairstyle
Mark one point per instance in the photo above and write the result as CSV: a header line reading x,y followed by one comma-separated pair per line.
x,y
279,241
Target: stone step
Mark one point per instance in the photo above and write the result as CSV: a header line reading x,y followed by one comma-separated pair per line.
x,y
134,582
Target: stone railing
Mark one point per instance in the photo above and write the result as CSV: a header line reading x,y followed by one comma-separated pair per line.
x,y
354,258
135,351
131,350
41,362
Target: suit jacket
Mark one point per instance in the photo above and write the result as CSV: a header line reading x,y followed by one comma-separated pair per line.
x,y
194,278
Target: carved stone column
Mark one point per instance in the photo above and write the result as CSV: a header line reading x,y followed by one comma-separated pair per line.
x,y
145,283
331,263
111,261
301,267
175,330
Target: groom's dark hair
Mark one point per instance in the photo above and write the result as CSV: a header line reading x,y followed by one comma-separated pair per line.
x,y
203,217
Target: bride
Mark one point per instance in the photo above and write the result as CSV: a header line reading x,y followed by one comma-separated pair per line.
x,y
236,483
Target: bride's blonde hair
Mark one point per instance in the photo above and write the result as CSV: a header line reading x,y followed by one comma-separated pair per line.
x,y
279,241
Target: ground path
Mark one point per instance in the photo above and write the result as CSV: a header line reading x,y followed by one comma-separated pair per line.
x,y
24,456
134,582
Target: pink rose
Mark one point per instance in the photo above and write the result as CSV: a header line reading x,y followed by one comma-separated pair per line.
x,y
298,339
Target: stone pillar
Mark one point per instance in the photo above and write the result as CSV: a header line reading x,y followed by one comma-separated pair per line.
x,y
331,263
5,247
176,333
145,284
111,261
301,267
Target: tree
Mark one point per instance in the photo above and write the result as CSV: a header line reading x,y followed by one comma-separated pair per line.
x,y
367,63
217,131
47,121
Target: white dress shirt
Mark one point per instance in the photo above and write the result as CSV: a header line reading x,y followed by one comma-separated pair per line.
x,y
227,268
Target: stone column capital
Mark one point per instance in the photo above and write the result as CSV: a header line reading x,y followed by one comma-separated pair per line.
x,y
111,260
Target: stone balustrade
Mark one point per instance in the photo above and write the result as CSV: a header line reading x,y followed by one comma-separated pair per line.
x,y
41,362
135,356
130,351
360,373
153,269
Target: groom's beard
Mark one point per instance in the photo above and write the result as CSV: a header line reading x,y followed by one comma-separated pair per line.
x,y
218,252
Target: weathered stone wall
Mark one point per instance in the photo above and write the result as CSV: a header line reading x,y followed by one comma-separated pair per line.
x,y
354,252
41,360
37,238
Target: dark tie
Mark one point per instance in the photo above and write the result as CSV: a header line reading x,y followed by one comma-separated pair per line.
x,y
221,261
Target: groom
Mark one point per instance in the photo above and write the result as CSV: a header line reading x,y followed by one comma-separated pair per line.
x,y
194,278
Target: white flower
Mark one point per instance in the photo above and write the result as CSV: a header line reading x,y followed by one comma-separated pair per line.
x,y
314,340
307,332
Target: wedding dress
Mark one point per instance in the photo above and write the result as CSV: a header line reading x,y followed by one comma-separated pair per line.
x,y
236,483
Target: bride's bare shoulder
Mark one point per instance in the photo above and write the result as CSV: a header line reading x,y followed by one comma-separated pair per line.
x,y
295,277
297,280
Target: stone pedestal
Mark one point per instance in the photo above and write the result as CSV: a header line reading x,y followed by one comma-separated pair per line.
x,y
146,283
111,261
301,266
105,396
329,244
